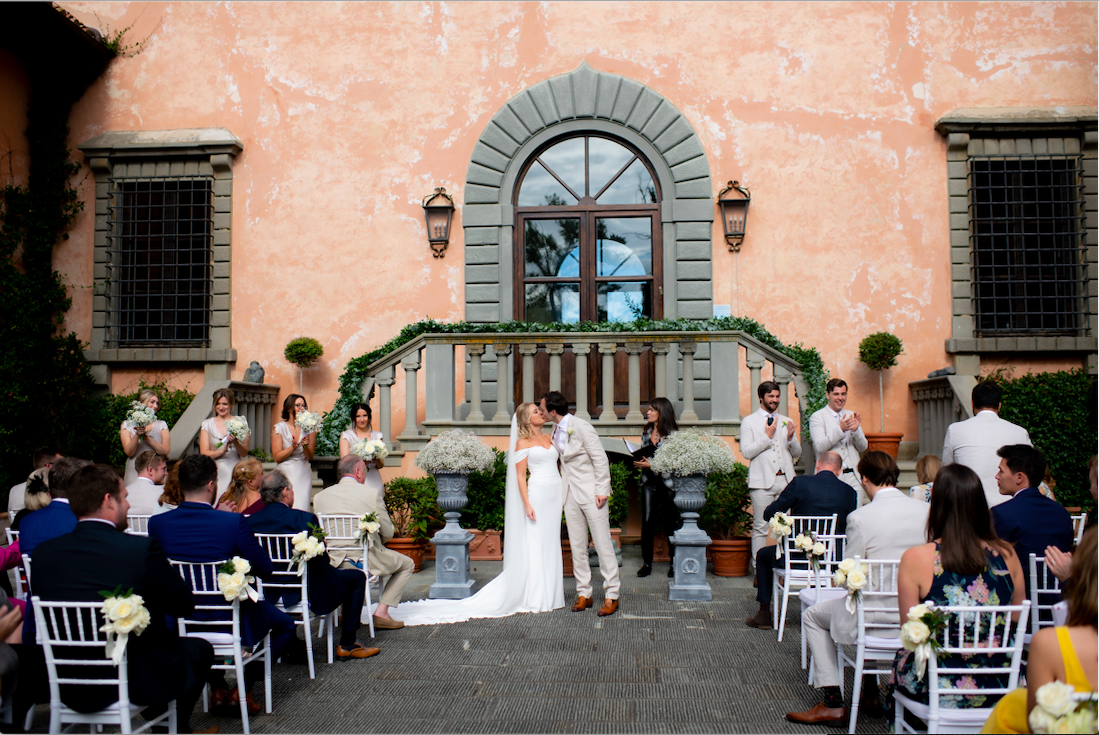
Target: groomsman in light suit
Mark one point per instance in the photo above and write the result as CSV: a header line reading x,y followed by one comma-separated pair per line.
x,y
769,441
833,429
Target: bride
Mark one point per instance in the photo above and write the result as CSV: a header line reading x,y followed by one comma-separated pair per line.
x,y
531,580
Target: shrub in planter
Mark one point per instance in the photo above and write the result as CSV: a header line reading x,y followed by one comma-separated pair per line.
x,y
411,503
879,352
619,503
486,494
303,352
725,515
458,452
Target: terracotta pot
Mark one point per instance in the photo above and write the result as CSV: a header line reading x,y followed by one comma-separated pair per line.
x,y
661,550
486,546
731,557
411,548
566,558
616,537
887,442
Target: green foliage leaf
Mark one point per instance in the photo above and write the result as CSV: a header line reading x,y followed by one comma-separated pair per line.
x,y
623,475
725,514
879,351
413,506
486,494
303,351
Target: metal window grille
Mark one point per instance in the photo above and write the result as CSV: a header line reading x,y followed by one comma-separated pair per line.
x,y
161,240
1027,242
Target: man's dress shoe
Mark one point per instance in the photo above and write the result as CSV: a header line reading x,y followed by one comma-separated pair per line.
x,y
820,715
582,603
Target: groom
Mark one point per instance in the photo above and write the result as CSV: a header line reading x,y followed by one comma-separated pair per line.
x,y
587,479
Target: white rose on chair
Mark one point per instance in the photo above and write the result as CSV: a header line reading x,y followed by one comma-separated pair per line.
x,y
124,613
917,635
307,545
781,527
235,582
852,575
814,550
1060,708
368,526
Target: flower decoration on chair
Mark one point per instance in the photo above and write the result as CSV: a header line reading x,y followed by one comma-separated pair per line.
x,y
370,449
368,526
814,550
307,545
1059,708
853,576
781,527
140,415
237,428
308,422
235,582
125,613
919,634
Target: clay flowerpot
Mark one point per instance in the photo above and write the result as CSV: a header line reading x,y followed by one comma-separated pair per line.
x,y
485,546
661,549
566,558
731,557
410,547
887,442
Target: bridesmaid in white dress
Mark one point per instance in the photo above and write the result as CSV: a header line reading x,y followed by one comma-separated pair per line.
x,y
214,433
360,429
293,451
138,439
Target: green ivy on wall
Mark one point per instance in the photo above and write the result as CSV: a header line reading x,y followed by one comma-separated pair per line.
x,y
336,420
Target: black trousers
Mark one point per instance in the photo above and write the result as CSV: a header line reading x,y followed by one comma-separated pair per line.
x,y
658,513
766,561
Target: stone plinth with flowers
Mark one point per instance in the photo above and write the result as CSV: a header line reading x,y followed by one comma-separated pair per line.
x,y
451,457
687,457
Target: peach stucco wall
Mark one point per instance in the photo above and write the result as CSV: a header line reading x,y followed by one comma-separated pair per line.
x,y
351,112
15,91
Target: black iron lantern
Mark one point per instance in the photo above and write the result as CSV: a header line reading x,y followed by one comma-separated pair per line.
x,y
734,213
438,211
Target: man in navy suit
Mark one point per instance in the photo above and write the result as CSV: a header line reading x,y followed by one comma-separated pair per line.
x,y
820,495
328,587
97,556
1029,520
196,532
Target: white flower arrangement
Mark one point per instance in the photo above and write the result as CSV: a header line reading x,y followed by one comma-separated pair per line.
x,y
124,613
307,421
781,527
235,582
814,550
456,451
370,449
368,526
236,427
307,545
1059,708
853,576
692,452
918,634
140,415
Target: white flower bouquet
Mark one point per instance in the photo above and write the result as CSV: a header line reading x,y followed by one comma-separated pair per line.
x,y
140,415
368,526
124,613
236,427
370,449
307,545
918,634
814,550
692,452
853,576
307,421
781,527
235,582
456,451
1059,708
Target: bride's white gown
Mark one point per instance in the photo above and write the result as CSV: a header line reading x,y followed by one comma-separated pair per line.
x,y
531,580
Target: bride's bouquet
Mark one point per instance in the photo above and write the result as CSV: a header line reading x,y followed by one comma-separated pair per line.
x,y
237,428
307,421
370,449
140,415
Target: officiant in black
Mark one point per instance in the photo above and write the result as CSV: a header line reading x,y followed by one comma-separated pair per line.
x,y
658,513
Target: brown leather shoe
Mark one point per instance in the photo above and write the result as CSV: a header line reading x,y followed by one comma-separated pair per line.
x,y
761,620
820,715
582,603
609,608
218,697
357,651
208,731
387,623
254,707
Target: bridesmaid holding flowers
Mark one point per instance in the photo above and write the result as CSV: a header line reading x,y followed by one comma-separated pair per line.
x,y
139,436
293,441
224,437
361,429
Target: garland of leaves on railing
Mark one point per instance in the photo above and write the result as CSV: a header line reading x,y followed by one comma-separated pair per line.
x,y
338,419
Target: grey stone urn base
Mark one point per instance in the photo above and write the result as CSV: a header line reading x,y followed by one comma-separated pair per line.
x,y
689,562
452,580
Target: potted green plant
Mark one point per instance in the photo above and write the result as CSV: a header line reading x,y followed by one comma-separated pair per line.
x,y
725,517
303,352
483,515
879,352
411,504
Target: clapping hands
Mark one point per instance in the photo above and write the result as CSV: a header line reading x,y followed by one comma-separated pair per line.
x,y
851,422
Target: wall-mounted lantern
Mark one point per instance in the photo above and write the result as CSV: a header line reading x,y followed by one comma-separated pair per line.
x,y
734,213
438,210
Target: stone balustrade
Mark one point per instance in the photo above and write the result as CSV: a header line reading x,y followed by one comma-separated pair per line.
x,y
254,401
939,403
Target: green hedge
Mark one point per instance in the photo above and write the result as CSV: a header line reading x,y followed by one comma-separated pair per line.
x,y
112,409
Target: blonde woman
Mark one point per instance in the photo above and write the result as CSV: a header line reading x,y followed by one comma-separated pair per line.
x,y
926,468
137,439
215,441
244,489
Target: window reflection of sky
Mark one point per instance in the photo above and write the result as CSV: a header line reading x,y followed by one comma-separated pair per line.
x,y
632,187
623,304
606,158
539,188
567,161
632,258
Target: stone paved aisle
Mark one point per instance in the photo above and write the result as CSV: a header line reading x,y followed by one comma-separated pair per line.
x,y
655,666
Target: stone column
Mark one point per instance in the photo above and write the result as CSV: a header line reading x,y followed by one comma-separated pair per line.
x,y
476,413
581,351
528,351
690,542
660,363
782,377
607,350
755,363
687,349
452,580
502,352
385,383
411,365
555,350
633,349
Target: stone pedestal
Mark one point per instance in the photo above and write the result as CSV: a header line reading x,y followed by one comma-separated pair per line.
x,y
452,580
690,543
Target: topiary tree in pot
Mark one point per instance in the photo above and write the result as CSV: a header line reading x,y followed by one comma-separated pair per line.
x,y
879,352
303,352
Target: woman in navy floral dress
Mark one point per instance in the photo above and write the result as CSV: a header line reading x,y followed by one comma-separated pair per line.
x,y
964,563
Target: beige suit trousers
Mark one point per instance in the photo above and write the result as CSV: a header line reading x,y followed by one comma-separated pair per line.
x,y
580,518
761,498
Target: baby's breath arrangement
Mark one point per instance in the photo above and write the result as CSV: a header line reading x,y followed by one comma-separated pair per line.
x,y
692,452
456,451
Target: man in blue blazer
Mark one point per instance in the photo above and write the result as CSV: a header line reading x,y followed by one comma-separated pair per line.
x,y
1029,520
196,532
328,587
821,494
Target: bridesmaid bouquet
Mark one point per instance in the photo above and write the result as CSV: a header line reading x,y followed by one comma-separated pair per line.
x,y
370,449
308,421
124,613
237,428
140,415
1059,708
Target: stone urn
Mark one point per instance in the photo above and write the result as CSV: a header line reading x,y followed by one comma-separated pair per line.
x,y
452,580
690,542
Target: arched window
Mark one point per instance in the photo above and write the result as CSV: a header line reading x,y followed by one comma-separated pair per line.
x,y
588,219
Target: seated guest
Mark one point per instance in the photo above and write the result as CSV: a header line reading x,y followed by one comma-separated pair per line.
x,y
56,518
145,491
328,587
43,459
11,626
886,527
352,497
1029,521
821,494
926,468
97,556
243,493
171,496
196,532
37,496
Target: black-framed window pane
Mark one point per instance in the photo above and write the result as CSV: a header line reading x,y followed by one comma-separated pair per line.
x,y
539,189
553,302
634,186
552,247
566,159
624,246
605,159
624,302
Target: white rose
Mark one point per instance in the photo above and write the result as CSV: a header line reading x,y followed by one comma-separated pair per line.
x,y
298,538
110,607
818,549
914,633
839,579
1082,720
138,621
918,611
856,579
847,565
241,565
1056,698
1065,726
1040,720
237,579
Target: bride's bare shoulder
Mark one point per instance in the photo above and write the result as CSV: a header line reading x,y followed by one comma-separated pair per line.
x,y
522,444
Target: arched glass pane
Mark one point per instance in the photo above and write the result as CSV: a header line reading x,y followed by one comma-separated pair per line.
x,y
634,186
624,246
539,189
552,247
567,161
605,159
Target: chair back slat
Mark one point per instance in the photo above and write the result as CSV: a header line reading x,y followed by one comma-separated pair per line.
x,y
280,548
340,527
1045,592
985,630
202,579
795,562
1079,523
879,597
66,627
138,525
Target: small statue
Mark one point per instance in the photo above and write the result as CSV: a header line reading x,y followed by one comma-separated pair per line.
x,y
254,373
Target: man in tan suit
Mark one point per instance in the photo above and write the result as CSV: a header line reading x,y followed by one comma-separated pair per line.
x,y
350,497
587,487
833,429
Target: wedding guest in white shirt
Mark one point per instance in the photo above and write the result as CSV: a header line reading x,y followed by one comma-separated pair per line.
x,y
833,429
145,491
43,457
769,441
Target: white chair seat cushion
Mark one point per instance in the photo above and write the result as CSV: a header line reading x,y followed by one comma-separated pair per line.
x,y
972,716
812,595
883,644
215,639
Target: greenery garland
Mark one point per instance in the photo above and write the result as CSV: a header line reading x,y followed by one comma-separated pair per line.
x,y
336,420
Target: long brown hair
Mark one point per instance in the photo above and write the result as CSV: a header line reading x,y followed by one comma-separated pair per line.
x,y
247,469
172,493
1082,589
960,517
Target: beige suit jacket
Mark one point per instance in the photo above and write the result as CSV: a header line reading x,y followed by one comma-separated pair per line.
x,y
827,436
974,442
348,497
767,457
584,464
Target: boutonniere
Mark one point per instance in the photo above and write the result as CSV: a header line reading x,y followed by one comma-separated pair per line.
x,y
569,433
